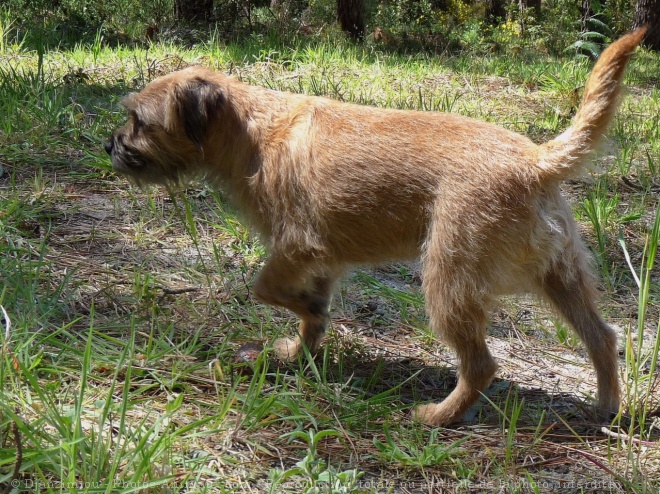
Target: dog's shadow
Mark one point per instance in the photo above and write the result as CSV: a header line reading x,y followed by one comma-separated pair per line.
x,y
402,383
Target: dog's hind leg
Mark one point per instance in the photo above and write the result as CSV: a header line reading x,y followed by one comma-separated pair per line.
x,y
304,288
571,289
464,331
458,316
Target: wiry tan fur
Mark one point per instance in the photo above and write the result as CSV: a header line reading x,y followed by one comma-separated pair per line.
x,y
329,185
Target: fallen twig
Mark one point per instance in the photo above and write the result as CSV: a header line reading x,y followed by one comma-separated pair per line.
x,y
178,291
626,437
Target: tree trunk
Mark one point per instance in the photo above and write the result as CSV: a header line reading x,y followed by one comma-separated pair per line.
x,y
524,5
536,5
586,13
647,12
350,14
495,11
193,11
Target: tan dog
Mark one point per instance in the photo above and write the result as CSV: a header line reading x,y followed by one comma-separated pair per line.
x,y
329,185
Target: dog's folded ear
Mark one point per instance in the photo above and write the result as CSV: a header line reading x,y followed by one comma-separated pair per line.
x,y
194,103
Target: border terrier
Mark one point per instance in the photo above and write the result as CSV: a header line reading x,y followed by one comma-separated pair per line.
x,y
329,185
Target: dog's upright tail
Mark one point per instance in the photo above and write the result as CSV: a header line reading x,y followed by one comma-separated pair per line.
x,y
567,155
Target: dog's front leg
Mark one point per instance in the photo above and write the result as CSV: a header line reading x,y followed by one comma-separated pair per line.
x,y
304,288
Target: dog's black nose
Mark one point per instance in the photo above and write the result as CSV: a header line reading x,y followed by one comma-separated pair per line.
x,y
108,146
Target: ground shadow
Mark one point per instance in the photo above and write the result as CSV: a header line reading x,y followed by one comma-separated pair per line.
x,y
554,416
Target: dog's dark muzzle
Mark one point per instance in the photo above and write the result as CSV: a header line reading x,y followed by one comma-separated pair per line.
x,y
124,159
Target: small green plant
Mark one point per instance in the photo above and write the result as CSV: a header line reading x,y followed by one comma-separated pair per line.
x,y
7,31
565,334
624,160
600,209
410,454
596,28
641,363
590,43
510,417
97,46
312,474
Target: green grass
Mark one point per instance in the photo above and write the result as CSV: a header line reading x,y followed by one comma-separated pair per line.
x,y
125,307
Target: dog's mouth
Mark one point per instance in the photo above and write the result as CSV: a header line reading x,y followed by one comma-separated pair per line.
x,y
124,159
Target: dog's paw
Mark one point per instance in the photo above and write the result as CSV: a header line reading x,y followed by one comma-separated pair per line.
x,y
435,415
287,349
424,414
604,415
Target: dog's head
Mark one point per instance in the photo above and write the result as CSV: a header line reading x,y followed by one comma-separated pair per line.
x,y
168,123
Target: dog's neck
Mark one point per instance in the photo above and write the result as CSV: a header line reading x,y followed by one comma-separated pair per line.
x,y
242,143
259,110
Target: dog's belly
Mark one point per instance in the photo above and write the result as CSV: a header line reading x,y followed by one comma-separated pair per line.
x,y
376,212
358,241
